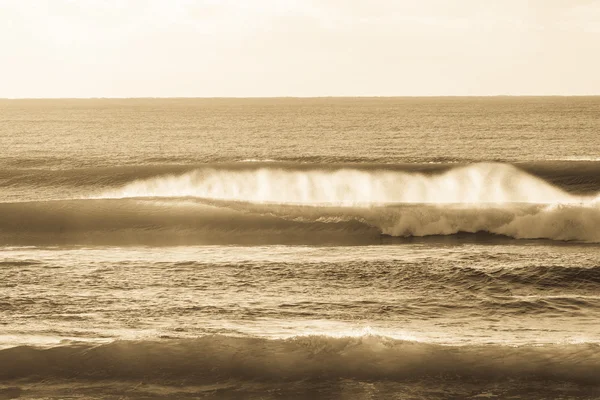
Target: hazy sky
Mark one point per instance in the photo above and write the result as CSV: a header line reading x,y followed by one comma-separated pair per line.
x,y
201,48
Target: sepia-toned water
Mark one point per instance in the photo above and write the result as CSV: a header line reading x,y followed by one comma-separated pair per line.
x,y
355,248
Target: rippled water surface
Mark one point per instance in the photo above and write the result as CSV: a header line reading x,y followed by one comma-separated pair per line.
x,y
423,248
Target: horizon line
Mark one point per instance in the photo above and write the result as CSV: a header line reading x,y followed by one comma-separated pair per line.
x,y
295,97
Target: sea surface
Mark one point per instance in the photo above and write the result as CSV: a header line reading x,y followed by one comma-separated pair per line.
x,y
330,248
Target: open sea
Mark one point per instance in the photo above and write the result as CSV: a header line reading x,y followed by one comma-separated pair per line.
x,y
283,248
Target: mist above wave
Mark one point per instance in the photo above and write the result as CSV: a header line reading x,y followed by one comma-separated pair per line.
x,y
481,183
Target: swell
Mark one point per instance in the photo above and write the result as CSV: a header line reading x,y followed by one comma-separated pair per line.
x,y
218,358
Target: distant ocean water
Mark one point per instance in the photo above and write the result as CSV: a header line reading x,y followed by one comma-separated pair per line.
x,y
410,248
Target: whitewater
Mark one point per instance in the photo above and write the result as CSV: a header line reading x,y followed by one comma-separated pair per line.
x,y
300,248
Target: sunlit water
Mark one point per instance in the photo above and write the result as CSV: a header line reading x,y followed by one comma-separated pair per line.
x,y
285,248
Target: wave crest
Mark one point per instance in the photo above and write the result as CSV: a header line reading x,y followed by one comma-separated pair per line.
x,y
474,184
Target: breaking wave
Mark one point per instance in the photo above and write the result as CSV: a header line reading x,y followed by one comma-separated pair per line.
x,y
368,357
281,205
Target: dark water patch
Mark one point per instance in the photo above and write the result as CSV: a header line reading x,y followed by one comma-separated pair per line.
x,y
580,177
19,263
551,276
574,307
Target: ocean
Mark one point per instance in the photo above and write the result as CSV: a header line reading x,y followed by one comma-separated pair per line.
x,y
296,248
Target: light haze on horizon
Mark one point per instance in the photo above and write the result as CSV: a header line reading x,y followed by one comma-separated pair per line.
x,y
264,48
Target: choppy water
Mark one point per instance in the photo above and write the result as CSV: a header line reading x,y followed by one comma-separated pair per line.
x,y
287,248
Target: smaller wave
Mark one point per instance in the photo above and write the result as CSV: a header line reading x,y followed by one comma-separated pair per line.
x,y
369,357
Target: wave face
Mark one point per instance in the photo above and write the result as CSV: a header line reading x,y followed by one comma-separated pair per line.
x,y
217,358
185,221
268,205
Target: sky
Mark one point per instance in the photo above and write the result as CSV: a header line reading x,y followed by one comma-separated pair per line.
x,y
264,48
